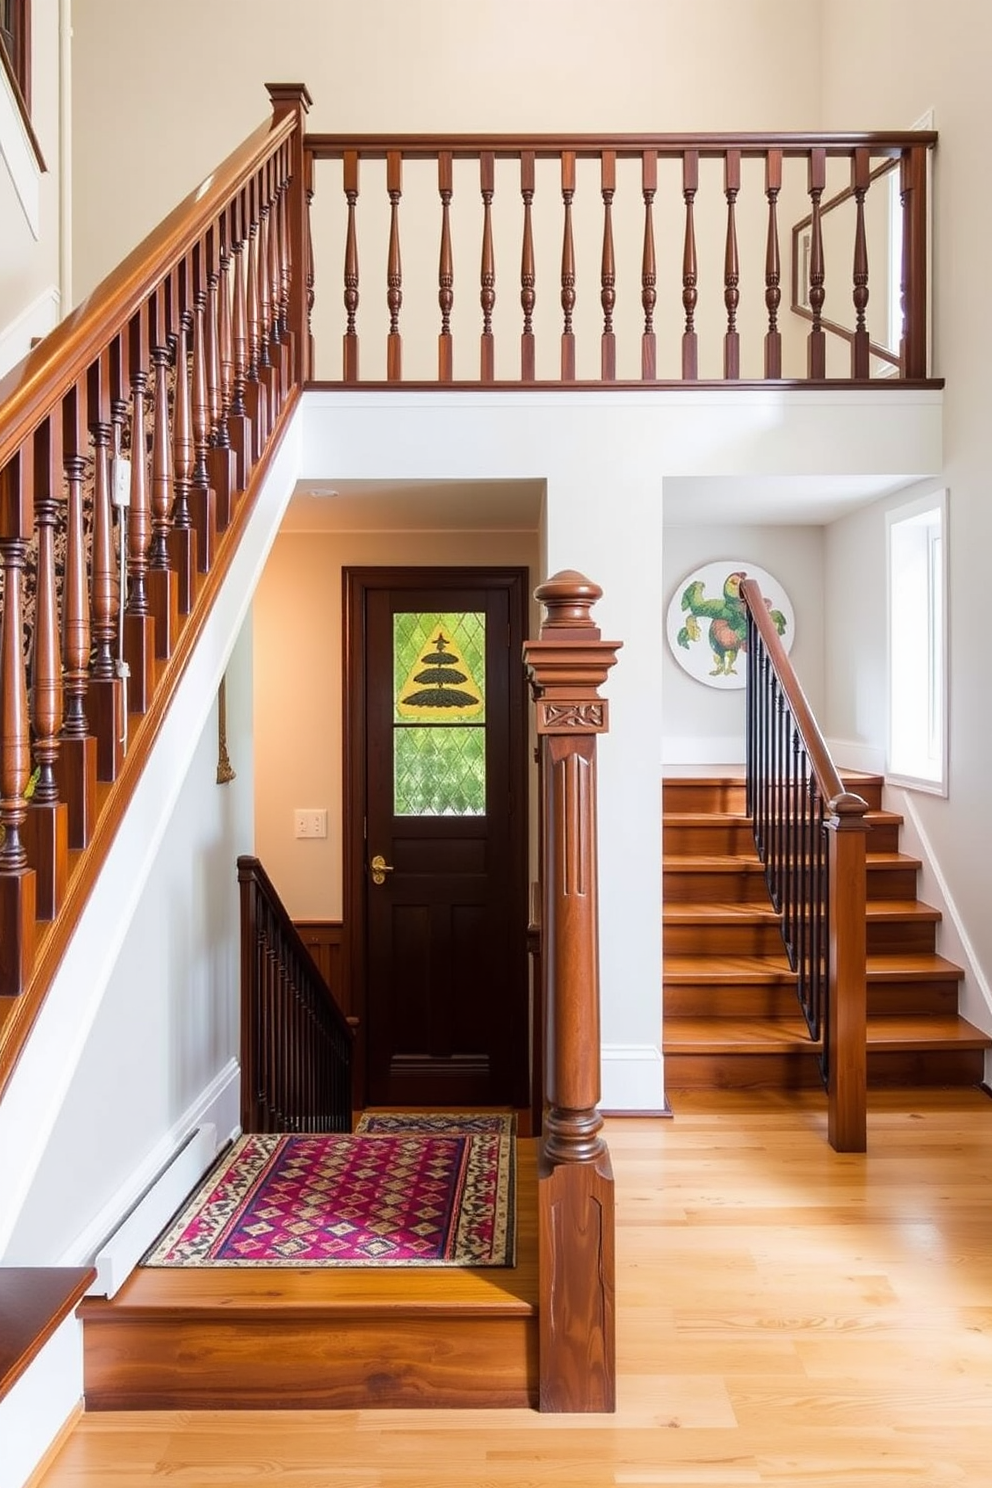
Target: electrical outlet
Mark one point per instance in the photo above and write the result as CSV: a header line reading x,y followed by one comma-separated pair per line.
x,y
310,821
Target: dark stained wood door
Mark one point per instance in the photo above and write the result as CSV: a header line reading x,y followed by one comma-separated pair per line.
x,y
438,832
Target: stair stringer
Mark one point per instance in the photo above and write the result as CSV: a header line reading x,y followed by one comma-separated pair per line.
x,y
39,1082
953,941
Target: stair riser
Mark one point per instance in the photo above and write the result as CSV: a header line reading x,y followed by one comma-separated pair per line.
x,y
702,1000
704,795
722,940
389,1363
708,839
683,887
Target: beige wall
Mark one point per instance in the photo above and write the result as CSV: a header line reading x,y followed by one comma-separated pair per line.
x,y
909,56
165,91
298,685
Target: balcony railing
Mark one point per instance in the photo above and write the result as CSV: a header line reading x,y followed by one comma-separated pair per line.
x,y
510,260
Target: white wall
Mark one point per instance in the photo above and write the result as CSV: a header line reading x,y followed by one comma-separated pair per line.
x,y
886,64
705,725
168,1023
30,199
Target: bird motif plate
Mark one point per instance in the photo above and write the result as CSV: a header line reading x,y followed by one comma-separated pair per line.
x,y
706,626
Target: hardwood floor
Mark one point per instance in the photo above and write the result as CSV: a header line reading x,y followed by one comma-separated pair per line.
x,y
787,1316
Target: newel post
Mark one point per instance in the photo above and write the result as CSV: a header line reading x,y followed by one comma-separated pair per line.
x,y
567,666
293,98
847,999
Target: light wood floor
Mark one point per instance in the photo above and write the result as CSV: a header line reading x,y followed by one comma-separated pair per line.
x,y
787,1316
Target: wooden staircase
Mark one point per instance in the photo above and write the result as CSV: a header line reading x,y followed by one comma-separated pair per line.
x,y
731,1013
326,1339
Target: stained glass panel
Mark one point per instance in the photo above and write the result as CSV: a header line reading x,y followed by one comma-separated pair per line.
x,y
439,709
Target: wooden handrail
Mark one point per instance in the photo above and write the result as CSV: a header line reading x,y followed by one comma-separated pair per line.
x,y
296,1042
801,810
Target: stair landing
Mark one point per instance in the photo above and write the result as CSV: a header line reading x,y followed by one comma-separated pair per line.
x,y
329,1338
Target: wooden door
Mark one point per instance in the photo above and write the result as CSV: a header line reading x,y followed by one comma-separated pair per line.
x,y
436,891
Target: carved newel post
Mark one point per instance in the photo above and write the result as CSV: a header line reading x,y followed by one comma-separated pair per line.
x,y
567,666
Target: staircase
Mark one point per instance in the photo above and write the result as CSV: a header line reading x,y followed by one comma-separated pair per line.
x,y
732,1018
325,1339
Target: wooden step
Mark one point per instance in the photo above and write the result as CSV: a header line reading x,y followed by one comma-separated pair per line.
x,y
332,1338
702,1053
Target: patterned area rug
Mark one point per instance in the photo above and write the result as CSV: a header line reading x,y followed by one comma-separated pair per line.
x,y
381,1198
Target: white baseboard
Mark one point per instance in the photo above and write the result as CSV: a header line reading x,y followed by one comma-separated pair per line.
x,y
132,1217
713,750
848,754
632,1077
34,321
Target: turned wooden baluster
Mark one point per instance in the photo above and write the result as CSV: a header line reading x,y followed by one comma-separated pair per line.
x,y
445,269
528,273
293,99
567,665
105,685
17,880
861,345
567,267
394,267
773,265
649,267
238,423
163,583
139,626
608,271
254,387
690,273
182,539
350,347
913,288
202,497
221,465
731,266
77,760
487,295
46,826
816,345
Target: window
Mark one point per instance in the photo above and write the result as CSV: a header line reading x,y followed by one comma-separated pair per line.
x,y
917,636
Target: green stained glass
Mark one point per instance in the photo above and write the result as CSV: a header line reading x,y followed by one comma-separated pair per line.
x,y
439,709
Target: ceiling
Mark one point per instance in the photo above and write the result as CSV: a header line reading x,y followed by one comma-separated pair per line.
x,y
518,505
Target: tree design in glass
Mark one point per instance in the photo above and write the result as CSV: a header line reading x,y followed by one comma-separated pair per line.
x,y
439,737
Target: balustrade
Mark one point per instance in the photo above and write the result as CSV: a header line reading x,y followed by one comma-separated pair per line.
x,y
720,325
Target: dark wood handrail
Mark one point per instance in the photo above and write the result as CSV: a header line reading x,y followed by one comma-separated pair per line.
x,y
47,373
810,833
296,1042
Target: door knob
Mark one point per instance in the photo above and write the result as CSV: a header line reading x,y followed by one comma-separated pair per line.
x,y
380,868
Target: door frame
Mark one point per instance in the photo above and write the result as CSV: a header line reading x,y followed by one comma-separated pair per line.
x,y
356,582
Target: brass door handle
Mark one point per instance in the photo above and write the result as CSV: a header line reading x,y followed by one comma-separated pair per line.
x,y
380,868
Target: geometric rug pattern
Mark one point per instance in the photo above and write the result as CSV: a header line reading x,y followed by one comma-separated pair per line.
x,y
381,1198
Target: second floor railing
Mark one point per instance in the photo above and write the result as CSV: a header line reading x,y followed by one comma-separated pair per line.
x,y
512,259
810,833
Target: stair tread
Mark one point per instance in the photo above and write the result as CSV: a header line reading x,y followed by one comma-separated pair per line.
x,y
685,1035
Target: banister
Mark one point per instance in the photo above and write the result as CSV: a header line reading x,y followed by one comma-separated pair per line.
x,y
48,372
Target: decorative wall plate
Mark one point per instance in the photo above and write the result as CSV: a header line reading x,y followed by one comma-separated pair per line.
x,y
706,622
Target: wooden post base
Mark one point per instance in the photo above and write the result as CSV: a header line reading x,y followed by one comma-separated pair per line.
x,y
75,771
46,837
163,598
203,510
222,466
576,1264
107,712
139,653
17,930
182,558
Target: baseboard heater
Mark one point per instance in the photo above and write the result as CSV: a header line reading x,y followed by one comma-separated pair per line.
x,y
148,1216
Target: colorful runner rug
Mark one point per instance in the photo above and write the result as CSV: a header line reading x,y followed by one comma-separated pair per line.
x,y
392,1198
